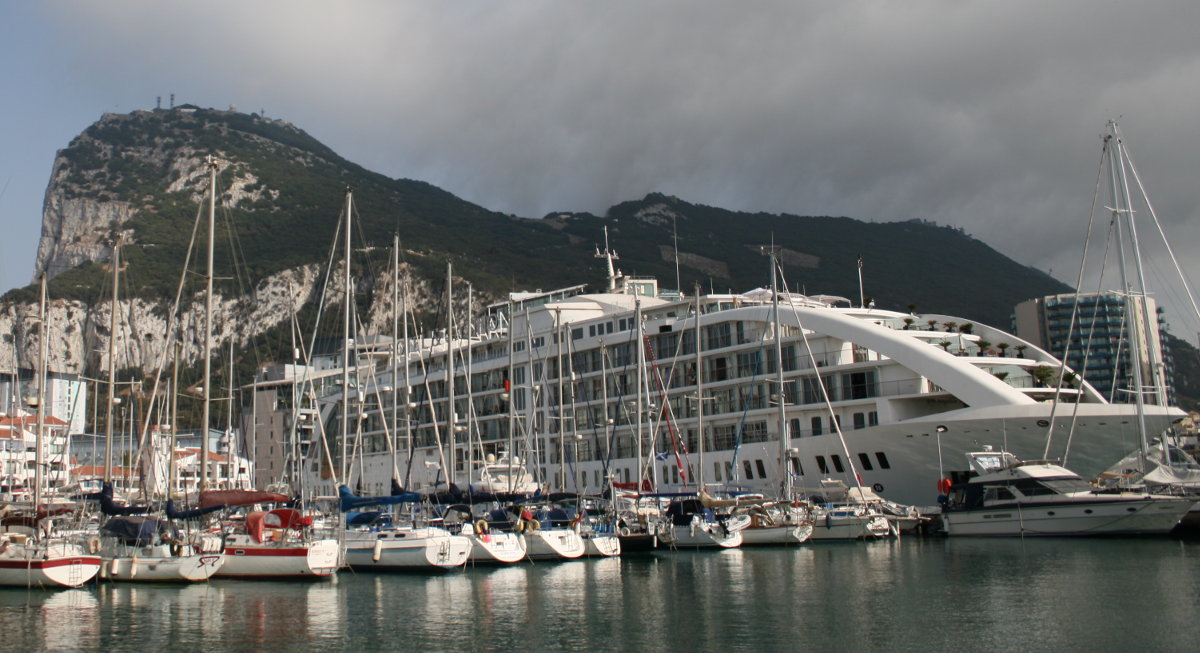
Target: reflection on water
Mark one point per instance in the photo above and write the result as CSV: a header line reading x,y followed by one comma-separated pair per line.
x,y
930,594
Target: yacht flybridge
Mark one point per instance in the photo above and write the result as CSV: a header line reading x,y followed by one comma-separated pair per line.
x,y
589,389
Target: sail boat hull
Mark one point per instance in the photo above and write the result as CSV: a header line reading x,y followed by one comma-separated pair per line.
x,y
419,549
554,544
296,560
56,565
159,564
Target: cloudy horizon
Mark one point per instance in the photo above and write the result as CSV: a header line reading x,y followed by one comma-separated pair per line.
x,y
977,115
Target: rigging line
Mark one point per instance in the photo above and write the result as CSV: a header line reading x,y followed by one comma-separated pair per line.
x,y
746,403
1087,347
1075,309
173,322
837,426
1158,224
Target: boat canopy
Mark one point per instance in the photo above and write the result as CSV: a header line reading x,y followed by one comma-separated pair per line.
x,y
258,522
235,498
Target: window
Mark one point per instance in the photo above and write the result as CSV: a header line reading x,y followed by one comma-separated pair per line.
x,y
822,465
837,462
860,421
796,467
816,425
576,334
762,470
883,461
717,471
873,418
749,471
866,461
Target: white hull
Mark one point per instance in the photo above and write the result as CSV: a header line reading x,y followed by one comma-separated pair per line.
x,y
554,544
158,564
499,548
400,549
602,546
703,536
764,535
246,559
1132,516
49,566
850,525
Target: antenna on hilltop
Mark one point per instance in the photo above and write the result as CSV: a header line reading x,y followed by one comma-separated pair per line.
x,y
172,100
157,103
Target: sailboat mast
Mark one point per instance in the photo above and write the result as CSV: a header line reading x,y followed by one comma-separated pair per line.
x,y
346,303
39,434
1150,359
174,420
511,392
699,393
395,353
450,416
785,476
470,453
408,418
112,349
1121,213
206,388
562,433
641,388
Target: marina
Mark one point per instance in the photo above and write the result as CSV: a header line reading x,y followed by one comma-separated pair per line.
x,y
913,593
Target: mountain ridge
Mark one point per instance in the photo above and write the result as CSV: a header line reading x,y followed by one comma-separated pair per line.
x,y
142,176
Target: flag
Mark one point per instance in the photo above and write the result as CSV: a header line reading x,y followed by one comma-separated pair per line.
x,y
661,455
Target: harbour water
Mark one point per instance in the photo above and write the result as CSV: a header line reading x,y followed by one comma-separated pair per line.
x,y
922,594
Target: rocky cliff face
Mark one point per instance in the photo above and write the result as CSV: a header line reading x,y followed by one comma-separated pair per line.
x,y
118,172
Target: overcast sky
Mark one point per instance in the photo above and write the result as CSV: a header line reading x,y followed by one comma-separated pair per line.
x,y
981,115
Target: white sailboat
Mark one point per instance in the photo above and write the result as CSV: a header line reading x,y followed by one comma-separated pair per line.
x,y
140,548
32,553
1158,465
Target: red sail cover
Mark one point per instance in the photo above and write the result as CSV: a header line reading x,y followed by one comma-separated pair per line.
x,y
256,522
233,498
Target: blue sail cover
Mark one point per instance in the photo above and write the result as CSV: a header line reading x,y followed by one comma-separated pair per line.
x,y
351,501
195,513
137,531
109,507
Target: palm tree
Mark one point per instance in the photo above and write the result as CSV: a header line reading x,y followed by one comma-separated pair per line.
x,y
908,322
1021,350
967,327
983,347
1003,347
951,326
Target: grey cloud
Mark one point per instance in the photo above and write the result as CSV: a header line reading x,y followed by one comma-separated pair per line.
x,y
981,115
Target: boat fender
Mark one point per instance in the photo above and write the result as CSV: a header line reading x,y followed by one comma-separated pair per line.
x,y
481,527
943,486
533,524
177,548
378,552
828,520
520,527
623,531
93,545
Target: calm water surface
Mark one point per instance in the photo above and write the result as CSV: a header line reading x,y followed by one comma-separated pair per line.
x,y
936,594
